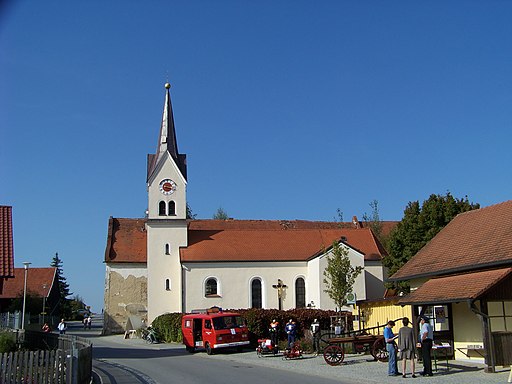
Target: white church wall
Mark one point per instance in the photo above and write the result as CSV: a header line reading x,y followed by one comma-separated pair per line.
x,y
359,288
314,283
234,283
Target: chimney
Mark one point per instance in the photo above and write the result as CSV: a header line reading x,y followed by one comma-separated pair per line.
x,y
356,222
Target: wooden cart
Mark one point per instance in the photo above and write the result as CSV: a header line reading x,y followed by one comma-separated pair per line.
x,y
368,339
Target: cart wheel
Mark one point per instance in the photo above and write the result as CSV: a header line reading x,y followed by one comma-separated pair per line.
x,y
333,354
379,351
208,348
324,339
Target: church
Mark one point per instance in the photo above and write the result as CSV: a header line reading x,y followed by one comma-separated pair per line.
x,y
167,262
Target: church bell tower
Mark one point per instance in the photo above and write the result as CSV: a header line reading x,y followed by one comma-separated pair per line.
x,y
166,223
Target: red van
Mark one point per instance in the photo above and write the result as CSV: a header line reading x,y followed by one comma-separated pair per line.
x,y
214,329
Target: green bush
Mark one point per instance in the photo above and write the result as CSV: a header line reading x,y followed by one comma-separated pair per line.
x,y
7,342
168,327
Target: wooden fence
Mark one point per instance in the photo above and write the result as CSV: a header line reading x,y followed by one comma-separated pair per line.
x,y
48,359
41,367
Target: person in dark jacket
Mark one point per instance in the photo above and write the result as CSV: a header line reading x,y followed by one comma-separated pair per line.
x,y
406,346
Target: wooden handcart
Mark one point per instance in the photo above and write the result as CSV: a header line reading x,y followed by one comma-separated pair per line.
x,y
364,340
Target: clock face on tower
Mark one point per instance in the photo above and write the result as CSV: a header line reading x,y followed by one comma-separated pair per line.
x,y
167,186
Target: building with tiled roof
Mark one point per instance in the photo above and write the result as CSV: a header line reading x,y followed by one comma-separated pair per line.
x,y
6,245
168,263
462,279
41,283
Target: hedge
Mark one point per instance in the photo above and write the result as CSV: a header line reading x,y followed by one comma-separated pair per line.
x,y
168,326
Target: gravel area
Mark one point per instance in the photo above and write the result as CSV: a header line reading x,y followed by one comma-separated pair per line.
x,y
362,368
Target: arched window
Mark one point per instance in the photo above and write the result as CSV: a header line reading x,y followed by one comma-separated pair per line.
x,y
256,301
162,209
210,287
172,208
167,249
300,293
167,284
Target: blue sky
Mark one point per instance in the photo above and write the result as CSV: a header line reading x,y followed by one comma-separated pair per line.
x,y
285,109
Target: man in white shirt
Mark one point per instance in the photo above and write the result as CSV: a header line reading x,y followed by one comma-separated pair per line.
x,y
426,337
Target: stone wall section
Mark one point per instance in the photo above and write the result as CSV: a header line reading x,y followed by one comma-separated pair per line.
x,y
125,300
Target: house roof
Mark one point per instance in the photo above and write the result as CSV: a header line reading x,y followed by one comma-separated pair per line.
x,y
243,240
456,288
39,282
6,242
473,240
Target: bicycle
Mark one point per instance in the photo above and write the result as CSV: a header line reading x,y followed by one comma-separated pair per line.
x,y
149,335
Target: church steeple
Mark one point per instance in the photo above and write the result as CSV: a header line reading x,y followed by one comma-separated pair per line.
x,y
167,140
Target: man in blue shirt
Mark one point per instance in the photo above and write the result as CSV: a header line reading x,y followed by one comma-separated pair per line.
x,y
291,329
425,338
390,337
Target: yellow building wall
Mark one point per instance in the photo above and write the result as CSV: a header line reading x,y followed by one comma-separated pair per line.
x,y
377,314
467,332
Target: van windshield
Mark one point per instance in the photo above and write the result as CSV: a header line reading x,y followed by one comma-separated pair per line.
x,y
227,322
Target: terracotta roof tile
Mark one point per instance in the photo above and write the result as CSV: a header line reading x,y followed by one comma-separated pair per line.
x,y
243,240
271,244
472,240
450,289
39,282
6,242
126,242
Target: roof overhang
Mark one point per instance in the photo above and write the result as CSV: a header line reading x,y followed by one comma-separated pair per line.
x,y
429,273
456,288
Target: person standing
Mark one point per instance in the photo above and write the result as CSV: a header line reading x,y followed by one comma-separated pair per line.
x,y
315,331
426,338
62,327
291,330
89,321
274,335
406,346
390,338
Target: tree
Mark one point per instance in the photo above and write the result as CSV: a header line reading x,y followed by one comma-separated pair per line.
x,y
64,307
190,214
373,221
418,226
33,303
221,214
339,275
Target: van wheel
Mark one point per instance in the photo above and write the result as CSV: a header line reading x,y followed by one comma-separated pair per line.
x,y
209,349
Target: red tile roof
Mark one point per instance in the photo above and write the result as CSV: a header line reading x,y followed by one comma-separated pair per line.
x,y
6,242
473,240
126,241
243,240
468,286
39,282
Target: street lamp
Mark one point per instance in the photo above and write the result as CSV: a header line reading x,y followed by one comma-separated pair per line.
x,y
44,302
25,264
